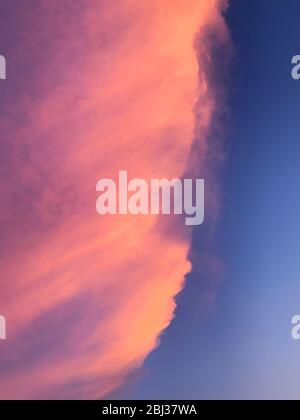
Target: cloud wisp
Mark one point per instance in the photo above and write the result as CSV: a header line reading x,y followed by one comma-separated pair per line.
x,y
92,90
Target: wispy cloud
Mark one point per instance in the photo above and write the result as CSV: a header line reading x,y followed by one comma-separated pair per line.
x,y
102,87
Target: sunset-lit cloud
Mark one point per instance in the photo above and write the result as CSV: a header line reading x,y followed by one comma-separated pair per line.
x,y
103,87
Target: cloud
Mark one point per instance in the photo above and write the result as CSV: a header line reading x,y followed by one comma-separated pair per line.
x,y
92,90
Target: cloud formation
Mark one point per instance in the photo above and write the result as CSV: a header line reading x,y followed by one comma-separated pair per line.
x,y
93,89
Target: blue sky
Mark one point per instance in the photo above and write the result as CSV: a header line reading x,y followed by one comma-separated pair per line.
x,y
241,346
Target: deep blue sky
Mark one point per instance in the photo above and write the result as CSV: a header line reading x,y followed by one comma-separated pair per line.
x,y
241,347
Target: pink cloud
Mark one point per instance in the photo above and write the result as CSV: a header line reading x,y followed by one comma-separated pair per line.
x,y
108,86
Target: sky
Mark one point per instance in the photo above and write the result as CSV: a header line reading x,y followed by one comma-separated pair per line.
x,y
241,347
140,307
